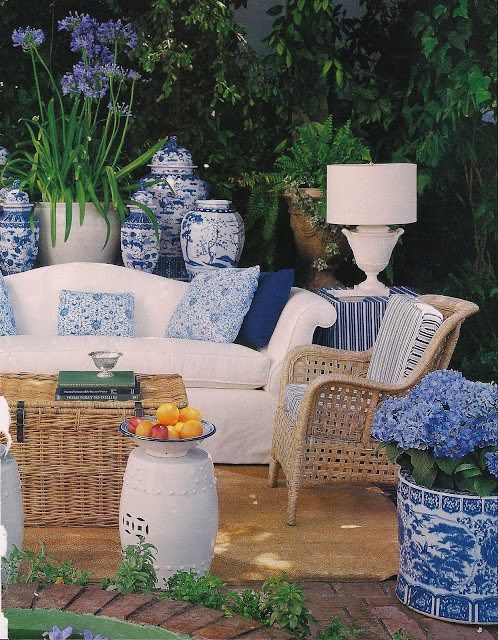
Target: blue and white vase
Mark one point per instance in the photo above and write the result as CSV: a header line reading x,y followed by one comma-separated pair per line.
x,y
212,236
3,190
139,245
19,235
175,195
448,553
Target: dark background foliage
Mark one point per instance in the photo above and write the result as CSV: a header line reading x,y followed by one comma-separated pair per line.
x,y
415,78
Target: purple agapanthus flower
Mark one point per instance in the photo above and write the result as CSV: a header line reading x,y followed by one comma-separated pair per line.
x,y
86,79
58,634
27,37
73,20
492,460
115,31
121,109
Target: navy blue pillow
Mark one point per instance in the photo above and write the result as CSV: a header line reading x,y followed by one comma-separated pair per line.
x,y
269,300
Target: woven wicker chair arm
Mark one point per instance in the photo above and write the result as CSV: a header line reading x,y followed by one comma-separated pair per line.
x,y
351,400
307,362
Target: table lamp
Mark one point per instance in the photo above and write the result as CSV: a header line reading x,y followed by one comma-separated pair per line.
x,y
371,197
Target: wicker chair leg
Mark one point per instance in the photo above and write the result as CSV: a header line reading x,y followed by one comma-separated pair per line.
x,y
292,504
273,472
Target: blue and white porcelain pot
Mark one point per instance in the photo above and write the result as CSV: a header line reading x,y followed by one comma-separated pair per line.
x,y
212,236
175,194
448,553
19,235
139,245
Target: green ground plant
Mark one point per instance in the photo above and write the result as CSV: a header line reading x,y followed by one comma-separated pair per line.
x,y
135,572
27,565
337,631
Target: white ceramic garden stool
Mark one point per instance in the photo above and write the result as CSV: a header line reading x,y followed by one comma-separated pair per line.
x,y
171,501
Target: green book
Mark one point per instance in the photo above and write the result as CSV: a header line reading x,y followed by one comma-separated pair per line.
x,y
90,380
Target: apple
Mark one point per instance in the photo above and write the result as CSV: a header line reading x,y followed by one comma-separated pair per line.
x,y
133,423
159,431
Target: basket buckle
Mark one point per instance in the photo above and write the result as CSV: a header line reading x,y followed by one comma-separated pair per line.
x,y
20,415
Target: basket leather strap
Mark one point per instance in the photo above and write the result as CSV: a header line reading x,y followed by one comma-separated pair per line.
x,y
139,409
20,421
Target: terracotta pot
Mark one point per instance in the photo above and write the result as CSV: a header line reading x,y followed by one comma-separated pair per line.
x,y
312,241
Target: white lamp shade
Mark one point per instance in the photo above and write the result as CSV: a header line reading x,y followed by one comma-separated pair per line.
x,y
372,194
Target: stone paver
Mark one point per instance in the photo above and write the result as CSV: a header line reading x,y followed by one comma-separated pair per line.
x,y
227,628
56,596
19,595
192,619
124,606
91,600
158,612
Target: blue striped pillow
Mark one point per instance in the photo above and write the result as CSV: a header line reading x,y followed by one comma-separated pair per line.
x,y
407,328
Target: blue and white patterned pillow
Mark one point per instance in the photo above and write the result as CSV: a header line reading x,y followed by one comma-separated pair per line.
x,y
214,305
84,313
7,320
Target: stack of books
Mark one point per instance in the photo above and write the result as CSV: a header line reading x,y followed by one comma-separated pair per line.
x,y
81,386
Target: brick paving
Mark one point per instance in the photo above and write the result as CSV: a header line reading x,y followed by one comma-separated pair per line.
x,y
370,606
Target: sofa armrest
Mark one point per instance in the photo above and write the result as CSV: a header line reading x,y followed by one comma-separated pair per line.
x,y
303,313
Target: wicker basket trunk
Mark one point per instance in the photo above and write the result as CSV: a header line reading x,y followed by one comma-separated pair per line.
x,y
71,456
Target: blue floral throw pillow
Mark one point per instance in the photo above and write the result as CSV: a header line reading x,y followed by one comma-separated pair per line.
x,y
214,305
7,321
84,313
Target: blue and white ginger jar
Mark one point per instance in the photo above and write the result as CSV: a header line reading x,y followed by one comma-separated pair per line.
x,y
19,235
448,544
175,195
139,245
3,190
212,236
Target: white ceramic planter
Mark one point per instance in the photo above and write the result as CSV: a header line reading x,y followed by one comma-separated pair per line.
x,y
85,242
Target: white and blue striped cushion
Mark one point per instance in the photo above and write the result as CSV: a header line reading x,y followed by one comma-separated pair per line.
x,y
406,330
292,399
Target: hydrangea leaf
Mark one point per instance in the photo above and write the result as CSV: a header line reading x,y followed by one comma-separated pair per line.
x,y
484,486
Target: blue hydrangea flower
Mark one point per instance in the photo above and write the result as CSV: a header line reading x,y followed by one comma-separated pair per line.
x,y
492,460
27,38
444,412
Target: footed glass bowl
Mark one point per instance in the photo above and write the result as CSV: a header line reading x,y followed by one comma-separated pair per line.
x,y
173,447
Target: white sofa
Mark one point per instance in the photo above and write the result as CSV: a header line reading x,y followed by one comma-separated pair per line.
x,y
235,387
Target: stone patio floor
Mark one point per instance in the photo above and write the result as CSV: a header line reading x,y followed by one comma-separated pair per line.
x,y
371,606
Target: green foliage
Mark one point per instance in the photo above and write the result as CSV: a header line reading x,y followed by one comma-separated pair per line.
x,y
25,566
135,573
277,604
470,473
206,590
316,145
336,631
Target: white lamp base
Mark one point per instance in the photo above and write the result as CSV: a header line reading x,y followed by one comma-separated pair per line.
x,y
372,248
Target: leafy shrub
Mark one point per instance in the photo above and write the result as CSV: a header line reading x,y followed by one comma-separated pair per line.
x,y
135,573
206,590
25,566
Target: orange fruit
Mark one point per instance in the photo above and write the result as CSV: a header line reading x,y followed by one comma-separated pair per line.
x,y
167,413
144,427
189,413
174,430
191,429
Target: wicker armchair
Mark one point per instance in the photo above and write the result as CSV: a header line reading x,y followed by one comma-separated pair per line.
x,y
330,439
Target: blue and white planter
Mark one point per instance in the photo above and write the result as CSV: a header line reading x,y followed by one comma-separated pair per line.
x,y
212,236
174,196
448,553
139,245
19,235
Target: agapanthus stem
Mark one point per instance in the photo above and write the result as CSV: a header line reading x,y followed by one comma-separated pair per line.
x,y
126,124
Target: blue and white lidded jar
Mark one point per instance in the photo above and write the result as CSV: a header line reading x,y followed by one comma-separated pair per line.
x,y
139,244
174,196
19,234
212,236
3,156
3,190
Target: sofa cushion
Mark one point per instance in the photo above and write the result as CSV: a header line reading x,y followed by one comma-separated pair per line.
x,y
405,332
214,305
89,313
7,321
201,364
270,298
